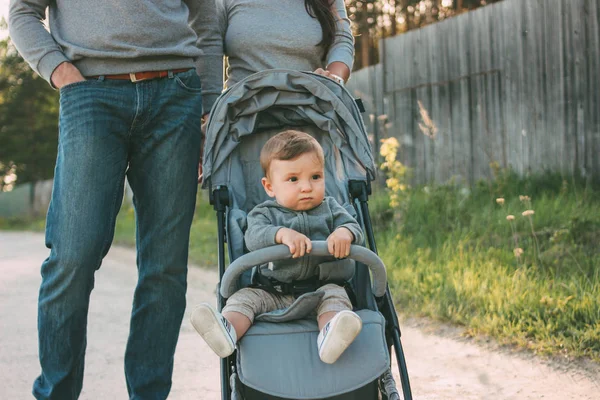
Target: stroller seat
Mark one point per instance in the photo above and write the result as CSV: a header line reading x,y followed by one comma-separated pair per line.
x,y
292,346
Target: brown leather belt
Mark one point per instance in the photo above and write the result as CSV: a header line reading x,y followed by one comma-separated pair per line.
x,y
142,76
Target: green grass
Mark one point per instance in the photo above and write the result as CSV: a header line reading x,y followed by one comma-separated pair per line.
x,y
449,253
35,224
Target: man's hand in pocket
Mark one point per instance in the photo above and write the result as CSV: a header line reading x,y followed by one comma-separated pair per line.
x,y
65,74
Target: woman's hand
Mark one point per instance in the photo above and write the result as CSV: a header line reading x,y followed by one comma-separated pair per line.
x,y
338,71
330,75
65,74
298,243
338,243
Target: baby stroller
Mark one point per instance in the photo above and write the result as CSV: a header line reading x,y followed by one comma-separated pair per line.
x,y
279,360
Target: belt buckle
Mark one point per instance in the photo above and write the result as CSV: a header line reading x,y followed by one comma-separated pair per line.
x,y
134,79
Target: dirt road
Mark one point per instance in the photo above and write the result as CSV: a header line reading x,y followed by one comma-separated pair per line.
x,y
440,367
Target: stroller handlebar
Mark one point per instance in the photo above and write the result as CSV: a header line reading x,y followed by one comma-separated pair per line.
x,y
319,248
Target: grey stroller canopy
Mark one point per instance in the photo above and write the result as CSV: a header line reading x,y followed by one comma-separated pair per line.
x,y
273,99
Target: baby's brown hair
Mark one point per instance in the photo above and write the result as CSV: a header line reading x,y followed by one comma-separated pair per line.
x,y
288,145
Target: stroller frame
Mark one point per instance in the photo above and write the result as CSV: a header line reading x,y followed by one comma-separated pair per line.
x,y
359,191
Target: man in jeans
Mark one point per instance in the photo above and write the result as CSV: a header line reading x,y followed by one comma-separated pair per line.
x,y
130,106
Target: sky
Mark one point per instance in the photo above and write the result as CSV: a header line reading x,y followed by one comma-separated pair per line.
x,y
3,13
4,8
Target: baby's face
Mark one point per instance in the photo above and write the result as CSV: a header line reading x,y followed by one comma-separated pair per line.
x,y
297,184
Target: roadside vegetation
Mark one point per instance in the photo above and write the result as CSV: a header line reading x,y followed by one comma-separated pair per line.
x,y
517,258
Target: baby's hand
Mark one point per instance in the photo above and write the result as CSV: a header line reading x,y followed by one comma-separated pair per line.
x,y
338,243
298,243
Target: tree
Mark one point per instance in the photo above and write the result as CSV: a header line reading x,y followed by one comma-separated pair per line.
x,y
28,120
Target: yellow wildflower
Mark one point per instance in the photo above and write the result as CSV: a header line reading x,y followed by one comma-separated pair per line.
x,y
524,198
518,252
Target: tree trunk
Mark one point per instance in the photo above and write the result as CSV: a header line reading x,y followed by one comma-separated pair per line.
x,y
393,19
365,48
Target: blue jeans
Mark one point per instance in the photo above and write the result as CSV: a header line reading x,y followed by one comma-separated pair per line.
x,y
149,132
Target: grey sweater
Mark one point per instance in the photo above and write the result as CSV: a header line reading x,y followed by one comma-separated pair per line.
x,y
103,37
318,223
266,34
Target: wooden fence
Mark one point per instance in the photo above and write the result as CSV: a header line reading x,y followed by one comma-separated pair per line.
x,y
516,83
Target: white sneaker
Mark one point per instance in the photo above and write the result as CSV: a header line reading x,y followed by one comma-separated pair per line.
x,y
337,335
216,331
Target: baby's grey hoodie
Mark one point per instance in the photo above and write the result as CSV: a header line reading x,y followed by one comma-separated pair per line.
x,y
318,223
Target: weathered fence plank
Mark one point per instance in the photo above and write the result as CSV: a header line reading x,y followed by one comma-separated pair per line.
x,y
592,95
553,89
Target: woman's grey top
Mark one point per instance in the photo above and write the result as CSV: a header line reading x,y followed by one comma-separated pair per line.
x,y
267,34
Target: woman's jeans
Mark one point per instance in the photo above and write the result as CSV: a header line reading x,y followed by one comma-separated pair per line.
x,y
149,132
